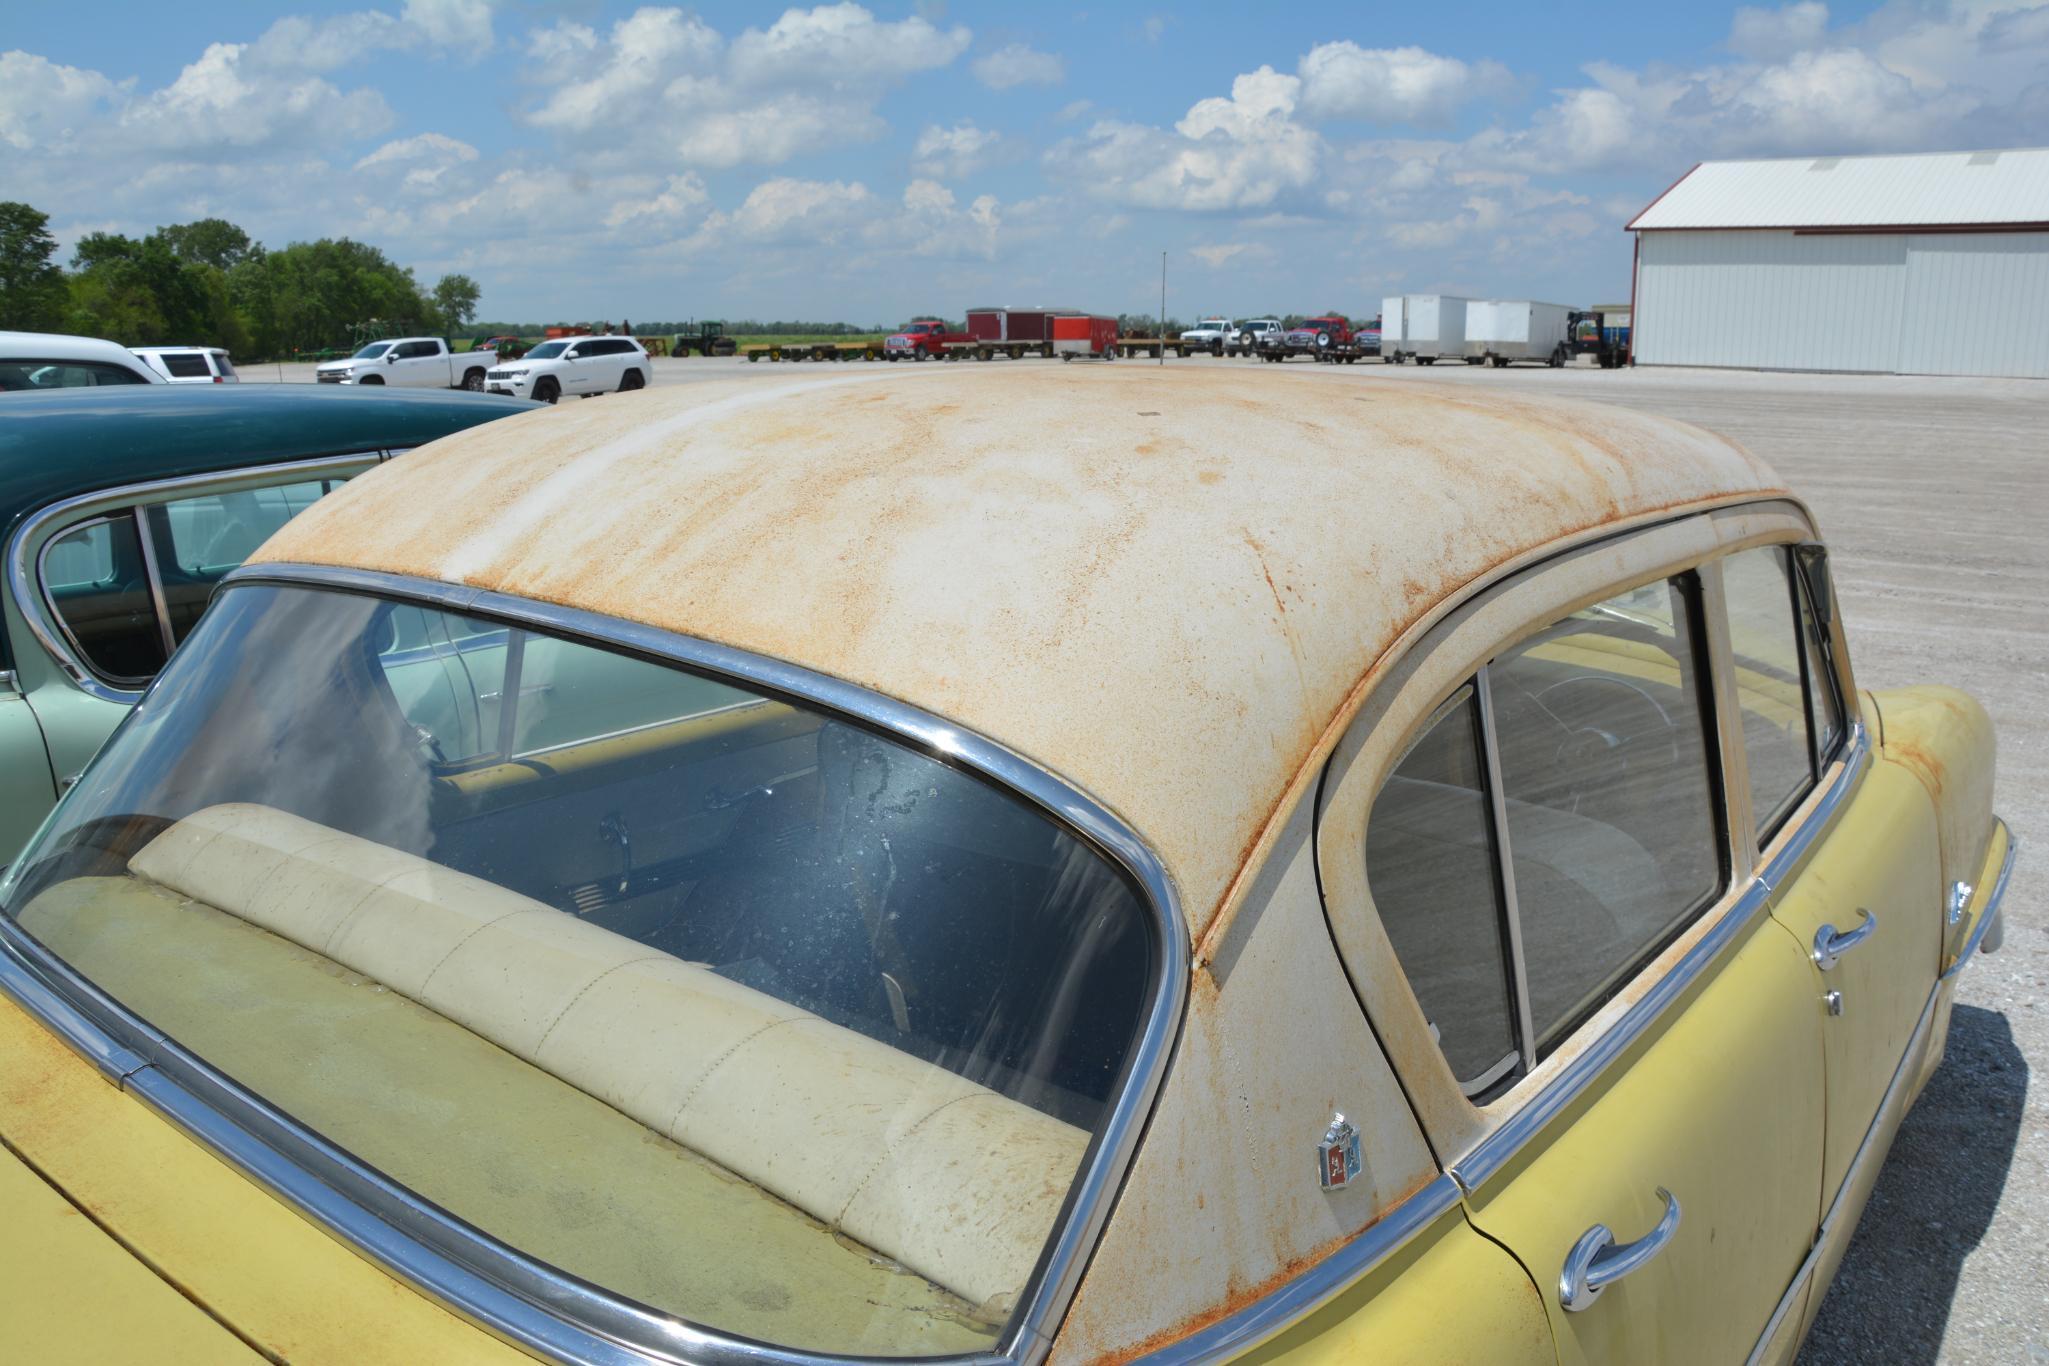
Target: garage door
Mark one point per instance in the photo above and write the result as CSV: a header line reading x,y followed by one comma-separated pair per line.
x,y
1977,304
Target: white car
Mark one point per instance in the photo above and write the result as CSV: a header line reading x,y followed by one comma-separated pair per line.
x,y
410,363
1210,332
573,365
189,364
51,360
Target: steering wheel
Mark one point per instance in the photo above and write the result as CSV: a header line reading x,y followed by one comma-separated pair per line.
x,y
1637,735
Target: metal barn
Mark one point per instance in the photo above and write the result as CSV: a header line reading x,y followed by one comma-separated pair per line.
x,y
1927,264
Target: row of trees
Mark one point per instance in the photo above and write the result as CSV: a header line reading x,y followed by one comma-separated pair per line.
x,y
209,283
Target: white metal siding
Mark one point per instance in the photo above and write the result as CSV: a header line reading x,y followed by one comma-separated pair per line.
x,y
1977,304
1769,300
1924,303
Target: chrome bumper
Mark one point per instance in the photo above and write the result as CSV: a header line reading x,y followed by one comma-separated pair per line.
x,y
1991,929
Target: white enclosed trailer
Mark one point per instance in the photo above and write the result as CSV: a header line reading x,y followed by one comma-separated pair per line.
x,y
1433,325
1394,332
1502,330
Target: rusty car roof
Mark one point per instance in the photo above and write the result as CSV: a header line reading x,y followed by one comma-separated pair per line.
x,y
1162,584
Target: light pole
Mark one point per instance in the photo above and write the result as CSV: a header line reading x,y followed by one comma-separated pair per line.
x,y
1163,308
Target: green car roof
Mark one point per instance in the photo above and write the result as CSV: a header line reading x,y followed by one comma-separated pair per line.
x,y
75,441
70,442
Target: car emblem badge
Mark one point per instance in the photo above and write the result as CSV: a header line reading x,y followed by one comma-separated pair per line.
x,y
1337,1157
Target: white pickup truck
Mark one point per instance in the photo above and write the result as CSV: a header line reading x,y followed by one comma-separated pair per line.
x,y
1210,333
411,363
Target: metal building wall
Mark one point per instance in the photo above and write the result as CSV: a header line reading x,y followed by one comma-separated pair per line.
x,y
1770,300
1977,304
1922,303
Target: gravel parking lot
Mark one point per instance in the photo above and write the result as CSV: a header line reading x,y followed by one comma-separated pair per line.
x,y
1934,495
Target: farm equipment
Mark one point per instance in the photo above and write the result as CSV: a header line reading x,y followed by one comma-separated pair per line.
x,y
1587,333
709,339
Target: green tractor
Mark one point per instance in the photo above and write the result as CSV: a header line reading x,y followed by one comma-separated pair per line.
x,y
710,339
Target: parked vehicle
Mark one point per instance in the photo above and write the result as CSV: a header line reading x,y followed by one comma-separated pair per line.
x,y
52,360
1328,338
504,348
189,364
1081,335
410,363
574,366
1504,330
1211,334
205,475
1032,326
1591,333
926,340
709,339
951,883
1432,326
1253,336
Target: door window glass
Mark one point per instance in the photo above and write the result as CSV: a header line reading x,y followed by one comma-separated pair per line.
x,y
1764,638
1434,871
199,540
96,583
1609,794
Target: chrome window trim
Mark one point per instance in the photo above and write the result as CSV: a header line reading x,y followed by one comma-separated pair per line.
x,y
493,1286
1500,1146
1275,1313
24,579
109,682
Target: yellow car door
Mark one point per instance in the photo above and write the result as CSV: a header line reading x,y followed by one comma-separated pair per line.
x,y
1638,1042
1855,883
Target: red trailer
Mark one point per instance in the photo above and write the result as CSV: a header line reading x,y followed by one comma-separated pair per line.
x,y
1083,335
1030,325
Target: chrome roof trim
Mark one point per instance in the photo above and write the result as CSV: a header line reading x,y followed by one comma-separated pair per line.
x,y
1988,917
1500,1147
515,1297
23,576
1266,1318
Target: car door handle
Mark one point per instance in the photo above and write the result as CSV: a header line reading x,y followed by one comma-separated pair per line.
x,y
1597,1260
1829,946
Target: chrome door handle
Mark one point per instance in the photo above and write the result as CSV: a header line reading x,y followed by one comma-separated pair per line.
x,y
1597,1259
1829,946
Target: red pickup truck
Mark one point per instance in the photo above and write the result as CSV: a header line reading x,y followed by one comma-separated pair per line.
x,y
919,341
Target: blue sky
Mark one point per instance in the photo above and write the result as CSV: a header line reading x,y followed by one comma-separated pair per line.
x,y
585,160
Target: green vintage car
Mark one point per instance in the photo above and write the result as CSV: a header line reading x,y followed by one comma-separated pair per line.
x,y
121,508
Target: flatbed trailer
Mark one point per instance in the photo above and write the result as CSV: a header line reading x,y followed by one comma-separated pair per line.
x,y
990,350
794,351
1154,346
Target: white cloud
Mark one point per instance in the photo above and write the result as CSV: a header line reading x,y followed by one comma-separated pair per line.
x,y
663,87
434,148
227,100
1238,153
1764,34
783,209
842,45
43,104
1018,64
951,153
1218,254
1392,85
461,26
678,201
946,229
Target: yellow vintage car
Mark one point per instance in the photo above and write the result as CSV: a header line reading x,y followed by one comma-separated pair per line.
x,y
1001,867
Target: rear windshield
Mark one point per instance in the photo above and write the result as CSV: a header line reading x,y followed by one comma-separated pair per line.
x,y
185,364
727,1005
372,351
547,350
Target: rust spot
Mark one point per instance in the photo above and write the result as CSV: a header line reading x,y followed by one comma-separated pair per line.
x,y
1240,1295
1922,762
1209,477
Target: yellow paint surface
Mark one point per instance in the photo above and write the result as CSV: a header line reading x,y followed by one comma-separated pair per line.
x,y
68,1292
252,1261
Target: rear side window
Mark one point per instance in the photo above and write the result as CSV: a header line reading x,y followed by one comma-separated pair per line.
x,y
1553,829
223,364
63,374
185,364
98,587
1792,718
